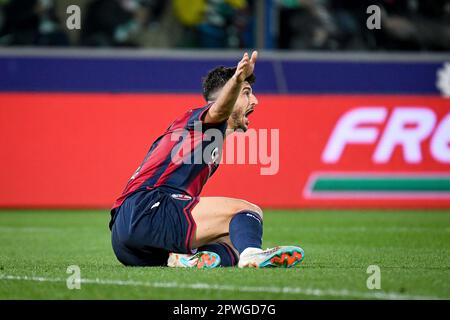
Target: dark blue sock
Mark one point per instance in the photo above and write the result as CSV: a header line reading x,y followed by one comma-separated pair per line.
x,y
227,256
246,230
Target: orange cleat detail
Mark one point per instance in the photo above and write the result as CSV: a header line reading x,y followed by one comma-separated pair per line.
x,y
286,259
207,260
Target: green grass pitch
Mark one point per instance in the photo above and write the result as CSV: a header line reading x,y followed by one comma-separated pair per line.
x,y
411,248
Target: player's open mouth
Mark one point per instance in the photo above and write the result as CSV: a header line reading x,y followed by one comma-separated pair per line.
x,y
249,112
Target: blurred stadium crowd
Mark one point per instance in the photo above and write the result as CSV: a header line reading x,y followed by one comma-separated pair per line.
x,y
422,25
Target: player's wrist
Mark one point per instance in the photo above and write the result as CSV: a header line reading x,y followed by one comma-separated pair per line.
x,y
237,79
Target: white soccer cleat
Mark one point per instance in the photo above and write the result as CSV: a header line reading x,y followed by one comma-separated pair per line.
x,y
282,257
201,260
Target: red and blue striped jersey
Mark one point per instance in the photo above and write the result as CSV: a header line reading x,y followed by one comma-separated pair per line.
x,y
182,158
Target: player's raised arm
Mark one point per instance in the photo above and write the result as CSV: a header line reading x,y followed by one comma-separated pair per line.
x,y
223,106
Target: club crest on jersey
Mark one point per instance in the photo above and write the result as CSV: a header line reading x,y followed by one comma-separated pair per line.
x,y
181,197
215,155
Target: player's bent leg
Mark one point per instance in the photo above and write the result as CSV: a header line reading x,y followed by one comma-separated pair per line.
x,y
213,215
216,217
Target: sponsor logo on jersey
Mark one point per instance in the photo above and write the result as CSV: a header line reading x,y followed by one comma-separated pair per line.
x,y
184,197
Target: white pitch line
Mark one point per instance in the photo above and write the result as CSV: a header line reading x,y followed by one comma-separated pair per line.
x,y
205,286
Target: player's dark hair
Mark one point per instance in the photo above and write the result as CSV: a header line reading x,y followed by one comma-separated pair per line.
x,y
216,79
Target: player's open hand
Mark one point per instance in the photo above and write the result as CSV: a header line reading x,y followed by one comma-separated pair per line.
x,y
246,66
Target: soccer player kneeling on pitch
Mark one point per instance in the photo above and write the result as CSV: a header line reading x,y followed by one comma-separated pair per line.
x,y
160,218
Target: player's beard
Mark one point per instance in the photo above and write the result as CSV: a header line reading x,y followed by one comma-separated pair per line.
x,y
238,121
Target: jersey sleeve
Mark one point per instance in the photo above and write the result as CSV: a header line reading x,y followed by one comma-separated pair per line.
x,y
197,118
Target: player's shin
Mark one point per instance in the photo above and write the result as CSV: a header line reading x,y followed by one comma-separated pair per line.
x,y
246,230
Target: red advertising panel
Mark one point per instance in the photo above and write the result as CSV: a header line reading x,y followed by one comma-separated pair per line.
x,y
79,150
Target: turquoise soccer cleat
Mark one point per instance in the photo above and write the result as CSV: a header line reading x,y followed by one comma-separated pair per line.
x,y
200,260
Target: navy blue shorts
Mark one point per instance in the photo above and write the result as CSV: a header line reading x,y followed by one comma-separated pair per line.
x,y
150,224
